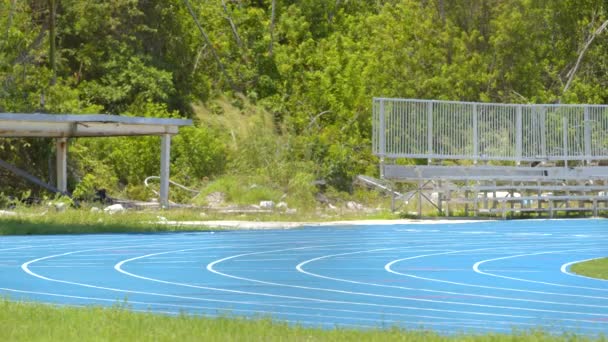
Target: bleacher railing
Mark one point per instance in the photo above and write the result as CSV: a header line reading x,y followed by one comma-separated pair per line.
x,y
406,128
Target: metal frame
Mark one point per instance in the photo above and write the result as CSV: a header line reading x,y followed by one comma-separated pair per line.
x,y
519,144
430,129
62,127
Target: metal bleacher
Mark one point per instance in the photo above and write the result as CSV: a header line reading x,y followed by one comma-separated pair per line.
x,y
495,159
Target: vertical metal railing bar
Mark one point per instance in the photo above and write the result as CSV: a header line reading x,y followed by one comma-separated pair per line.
x,y
394,116
395,129
565,136
475,135
382,138
543,133
587,134
375,133
429,129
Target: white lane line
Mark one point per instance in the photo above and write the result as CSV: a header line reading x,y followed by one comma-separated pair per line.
x,y
25,267
14,248
564,269
300,268
367,304
258,260
118,267
388,268
210,267
254,293
479,263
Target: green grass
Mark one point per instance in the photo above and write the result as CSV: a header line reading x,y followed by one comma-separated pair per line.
x,y
38,322
597,268
41,220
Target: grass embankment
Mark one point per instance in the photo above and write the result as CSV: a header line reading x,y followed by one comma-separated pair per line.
x,y
597,268
35,322
40,220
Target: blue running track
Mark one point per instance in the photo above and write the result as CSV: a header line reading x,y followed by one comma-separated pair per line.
x,y
457,277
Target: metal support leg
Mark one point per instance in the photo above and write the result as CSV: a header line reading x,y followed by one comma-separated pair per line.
x,y
61,151
165,149
466,204
419,199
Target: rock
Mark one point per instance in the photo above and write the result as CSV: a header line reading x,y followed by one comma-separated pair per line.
x,y
331,206
7,213
321,198
352,205
95,210
282,205
291,211
267,204
114,208
161,219
60,206
215,199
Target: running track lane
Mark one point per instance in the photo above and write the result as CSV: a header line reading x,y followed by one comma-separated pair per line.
x,y
457,277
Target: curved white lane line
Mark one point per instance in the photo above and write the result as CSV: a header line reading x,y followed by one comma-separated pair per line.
x,y
119,268
388,268
255,303
14,248
210,268
479,263
300,268
564,269
26,265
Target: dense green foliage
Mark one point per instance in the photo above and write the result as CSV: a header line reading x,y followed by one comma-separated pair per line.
x,y
280,90
36,322
596,268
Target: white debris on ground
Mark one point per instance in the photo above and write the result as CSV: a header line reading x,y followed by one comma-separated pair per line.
x,y
352,205
114,208
289,225
215,199
7,213
267,204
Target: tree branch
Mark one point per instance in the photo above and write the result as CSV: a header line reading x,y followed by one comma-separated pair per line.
x,y
573,71
272,18
9,21
239,42
208,41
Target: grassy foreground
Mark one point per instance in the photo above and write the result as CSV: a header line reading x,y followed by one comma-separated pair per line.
x,y
597,268
38,322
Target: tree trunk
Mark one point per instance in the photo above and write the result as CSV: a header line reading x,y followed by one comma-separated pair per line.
x,y
573,71
272,18
208,42
9,21
52,36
